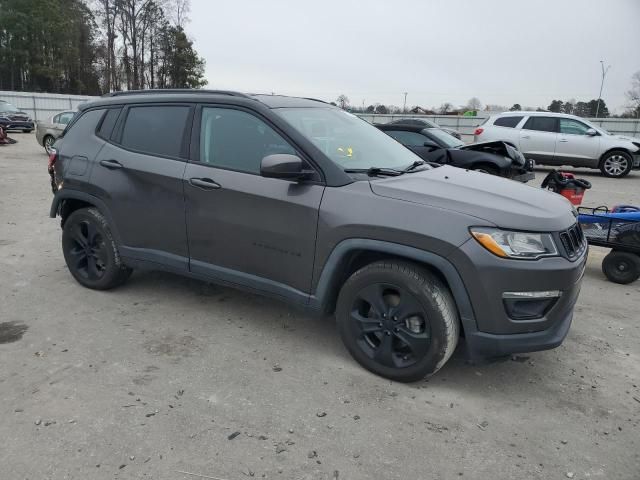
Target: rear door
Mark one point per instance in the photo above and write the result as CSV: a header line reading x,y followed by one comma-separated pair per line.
x,y
538,138
574,146
138,175
242,227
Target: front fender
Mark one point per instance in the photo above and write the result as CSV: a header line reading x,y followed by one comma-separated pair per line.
x,y
328,283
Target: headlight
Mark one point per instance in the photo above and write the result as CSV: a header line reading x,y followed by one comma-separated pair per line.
x,y
520,245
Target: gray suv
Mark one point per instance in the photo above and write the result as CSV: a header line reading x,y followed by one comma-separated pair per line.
x,y
301,201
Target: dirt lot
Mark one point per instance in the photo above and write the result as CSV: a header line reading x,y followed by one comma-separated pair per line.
x,y
167,375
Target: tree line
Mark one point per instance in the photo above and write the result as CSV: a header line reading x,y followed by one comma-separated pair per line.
x,y
589,109
89,47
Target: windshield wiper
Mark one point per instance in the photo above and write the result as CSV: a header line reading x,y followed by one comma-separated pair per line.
x,y
414,165
375,171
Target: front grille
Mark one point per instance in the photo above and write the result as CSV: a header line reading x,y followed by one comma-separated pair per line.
x,y
573,241
18,118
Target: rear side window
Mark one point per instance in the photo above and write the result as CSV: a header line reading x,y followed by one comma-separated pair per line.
x,y
410,139
509,122
108,122
237,140
542,124
156,130
82,126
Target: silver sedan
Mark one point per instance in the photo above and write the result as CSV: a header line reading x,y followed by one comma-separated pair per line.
x,y
49,130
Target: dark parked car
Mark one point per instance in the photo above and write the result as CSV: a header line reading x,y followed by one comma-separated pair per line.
x,y
12,118
425,124
298,200
433,145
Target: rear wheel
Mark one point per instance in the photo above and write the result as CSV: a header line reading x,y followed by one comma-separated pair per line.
x,y
48,142
621,267
91,252
397,320
616,164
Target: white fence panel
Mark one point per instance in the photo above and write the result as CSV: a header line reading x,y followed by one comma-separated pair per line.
x,y
41,106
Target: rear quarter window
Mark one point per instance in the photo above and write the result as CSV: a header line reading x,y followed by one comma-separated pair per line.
x,y
108,122
509,122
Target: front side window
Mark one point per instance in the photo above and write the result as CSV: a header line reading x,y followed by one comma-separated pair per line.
x,y
155,129
347,140
410,139
572,127
444,138
542,124
237,140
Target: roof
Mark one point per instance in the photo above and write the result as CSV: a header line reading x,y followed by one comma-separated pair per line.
x,y
200,95
537,114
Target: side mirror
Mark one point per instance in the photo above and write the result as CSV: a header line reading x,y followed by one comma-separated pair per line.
x,y
592,132
285,166
430,145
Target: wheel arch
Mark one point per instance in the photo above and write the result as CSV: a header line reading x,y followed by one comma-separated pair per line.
x,y
352,254
611,150
66,201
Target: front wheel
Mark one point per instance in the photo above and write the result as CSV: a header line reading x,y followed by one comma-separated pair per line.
x,y
398,320
616,164
621,267
90,251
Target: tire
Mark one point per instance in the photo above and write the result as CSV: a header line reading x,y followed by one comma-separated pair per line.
x,y
90,251
616,164
488,169
405,302
48,142
621,267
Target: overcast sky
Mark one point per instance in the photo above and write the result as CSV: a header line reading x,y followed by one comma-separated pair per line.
x,y
501,51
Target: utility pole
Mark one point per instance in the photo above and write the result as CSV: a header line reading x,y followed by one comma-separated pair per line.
x,y
404,108
604,74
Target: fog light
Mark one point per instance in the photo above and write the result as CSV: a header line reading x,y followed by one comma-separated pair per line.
x,y
529,305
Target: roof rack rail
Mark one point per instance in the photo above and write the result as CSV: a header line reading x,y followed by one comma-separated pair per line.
x,y
175,90
315,99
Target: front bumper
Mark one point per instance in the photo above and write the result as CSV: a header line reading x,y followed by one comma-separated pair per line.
x,y
17,125
487,277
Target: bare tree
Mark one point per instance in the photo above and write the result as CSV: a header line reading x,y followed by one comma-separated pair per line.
x,y
343,101
633,94
180,11
445,108
474,103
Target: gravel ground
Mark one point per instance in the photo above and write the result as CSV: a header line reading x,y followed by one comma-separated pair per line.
x,y
166,375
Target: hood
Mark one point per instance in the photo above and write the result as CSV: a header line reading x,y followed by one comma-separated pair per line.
x,y
502,202
627,139
501,148
10,113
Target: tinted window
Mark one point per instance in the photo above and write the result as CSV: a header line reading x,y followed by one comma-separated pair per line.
x,y
573,127
410,139
237,140
542,124
108,122
155,129
510,122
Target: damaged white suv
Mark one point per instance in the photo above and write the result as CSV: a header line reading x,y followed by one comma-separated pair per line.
x,y
561,139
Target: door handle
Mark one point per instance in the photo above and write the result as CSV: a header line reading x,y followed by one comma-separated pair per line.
x,y
111,164
526,136
563,140
204,183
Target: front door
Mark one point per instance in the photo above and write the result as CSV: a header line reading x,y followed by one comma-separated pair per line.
x,y
538,139
244,228
575,147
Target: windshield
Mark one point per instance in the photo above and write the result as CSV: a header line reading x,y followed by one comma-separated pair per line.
x,y
449,140
7,107
347,140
